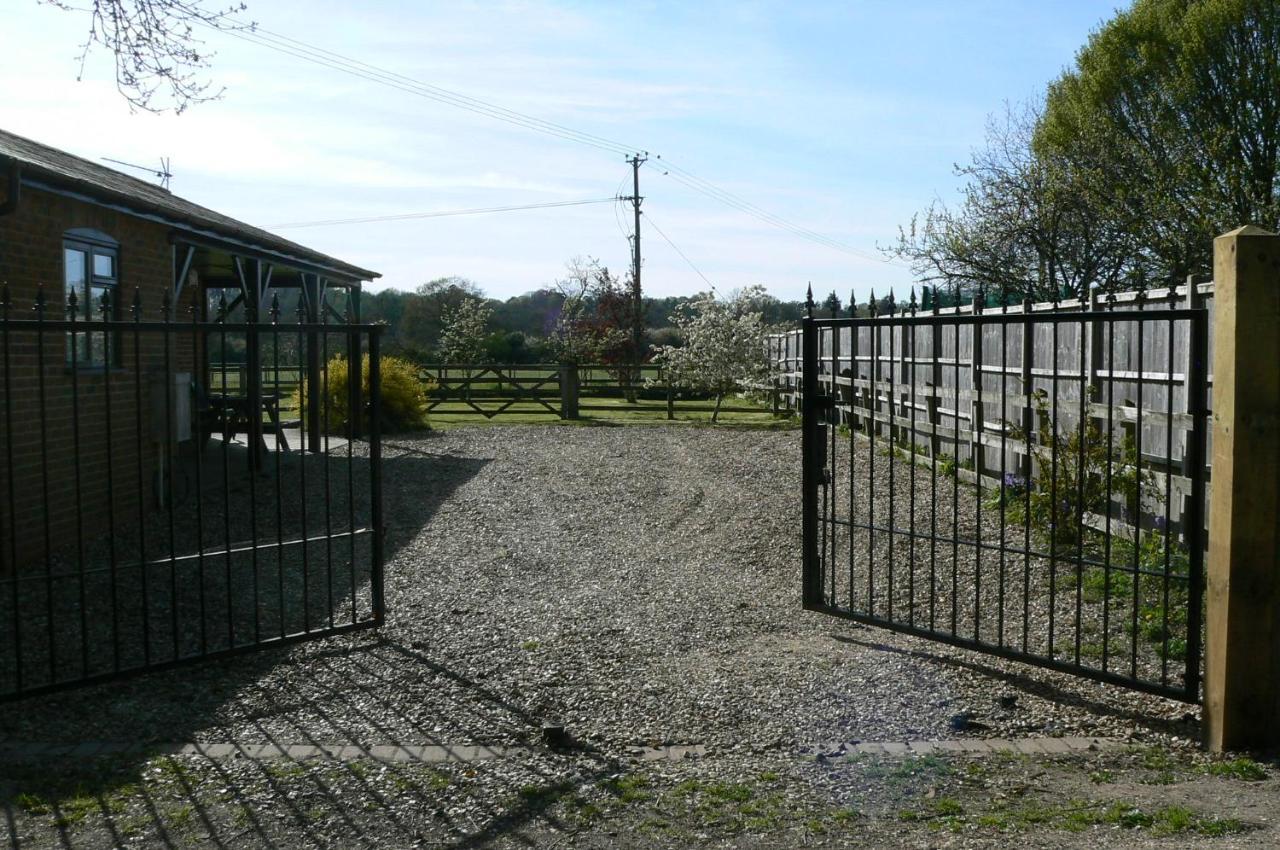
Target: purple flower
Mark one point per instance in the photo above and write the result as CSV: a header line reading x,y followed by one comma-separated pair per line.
x,y
1013,481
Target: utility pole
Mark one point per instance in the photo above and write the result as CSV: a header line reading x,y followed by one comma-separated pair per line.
x,y
637,299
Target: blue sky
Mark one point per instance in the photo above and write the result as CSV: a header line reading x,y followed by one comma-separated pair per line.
x,y
842,118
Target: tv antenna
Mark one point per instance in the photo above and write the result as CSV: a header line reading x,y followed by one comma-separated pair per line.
x,y
163,174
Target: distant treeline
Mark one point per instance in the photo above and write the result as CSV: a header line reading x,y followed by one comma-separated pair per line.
x,y
519,325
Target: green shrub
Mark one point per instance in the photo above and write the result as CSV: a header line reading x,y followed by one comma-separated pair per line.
x,y
404,396
1074,470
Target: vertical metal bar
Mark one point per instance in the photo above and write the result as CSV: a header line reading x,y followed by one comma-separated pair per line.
x,y
1194,521
279,479
257,441
143,566
353,377
874,422
893,448
1028,433
1168,498
976,428
853,421
328,490
824,478
1111,427
1004,458
955,477
200,342
812,579
72,313
11,490
375,471
1053,482
226,479
1082,433
911,471
108,353
935,373
165,484
1137,498
351,478
832,428
42,394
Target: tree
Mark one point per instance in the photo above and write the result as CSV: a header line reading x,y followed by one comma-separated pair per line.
x,y
723,350
1023,228
464,331
1173,107
832,304
577,333
1162,136
160,63
423,314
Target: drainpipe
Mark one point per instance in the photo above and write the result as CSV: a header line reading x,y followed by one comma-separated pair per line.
x,y
10,204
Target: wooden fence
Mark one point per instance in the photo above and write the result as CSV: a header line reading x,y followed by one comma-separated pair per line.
x,y
491,390
962,394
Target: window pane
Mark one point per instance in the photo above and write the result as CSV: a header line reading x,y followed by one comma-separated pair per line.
x,y
104,265
93,311
74,264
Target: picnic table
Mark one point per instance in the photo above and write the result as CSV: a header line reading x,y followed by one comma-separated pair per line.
x,y
231,414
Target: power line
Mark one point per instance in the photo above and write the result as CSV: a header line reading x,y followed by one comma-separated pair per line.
x,y
438,214
336,61
676,248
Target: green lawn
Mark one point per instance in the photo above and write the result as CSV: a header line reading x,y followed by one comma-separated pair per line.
x,y
617,412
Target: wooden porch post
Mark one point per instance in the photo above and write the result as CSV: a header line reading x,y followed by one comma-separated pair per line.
x,y
1242,653
311,294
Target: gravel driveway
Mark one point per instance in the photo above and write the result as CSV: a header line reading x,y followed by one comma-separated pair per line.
x,y
639,585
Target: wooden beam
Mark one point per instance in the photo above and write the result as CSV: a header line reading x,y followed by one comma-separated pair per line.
x,y
1242,658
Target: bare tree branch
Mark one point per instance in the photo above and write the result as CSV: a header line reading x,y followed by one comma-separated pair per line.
x,y
160,63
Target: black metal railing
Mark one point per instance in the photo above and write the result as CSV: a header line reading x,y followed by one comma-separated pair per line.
x,y
1028,484
155,515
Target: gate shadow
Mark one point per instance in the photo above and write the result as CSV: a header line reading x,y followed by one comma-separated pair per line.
x,y
207,699
1039,687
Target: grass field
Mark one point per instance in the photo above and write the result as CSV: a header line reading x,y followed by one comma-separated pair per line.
x,y
615,411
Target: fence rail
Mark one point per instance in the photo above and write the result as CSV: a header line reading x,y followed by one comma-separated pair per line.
x,y
950,387
492,390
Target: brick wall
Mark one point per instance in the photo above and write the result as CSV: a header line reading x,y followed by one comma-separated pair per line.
x,y
86,427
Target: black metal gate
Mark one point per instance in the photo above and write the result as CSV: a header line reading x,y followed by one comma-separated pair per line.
x,y
175,488
1025,483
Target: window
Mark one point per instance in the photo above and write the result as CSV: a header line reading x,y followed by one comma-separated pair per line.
x,y
90,270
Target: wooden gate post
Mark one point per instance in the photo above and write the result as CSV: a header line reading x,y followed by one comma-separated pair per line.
x,y
1242,653
568,390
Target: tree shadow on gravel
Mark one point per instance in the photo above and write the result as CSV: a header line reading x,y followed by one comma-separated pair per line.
x,y
1028,684
297,695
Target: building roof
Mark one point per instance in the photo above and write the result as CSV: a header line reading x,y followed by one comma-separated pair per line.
x,y
44,167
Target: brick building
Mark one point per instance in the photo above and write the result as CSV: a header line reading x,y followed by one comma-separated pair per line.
x,y
79,447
